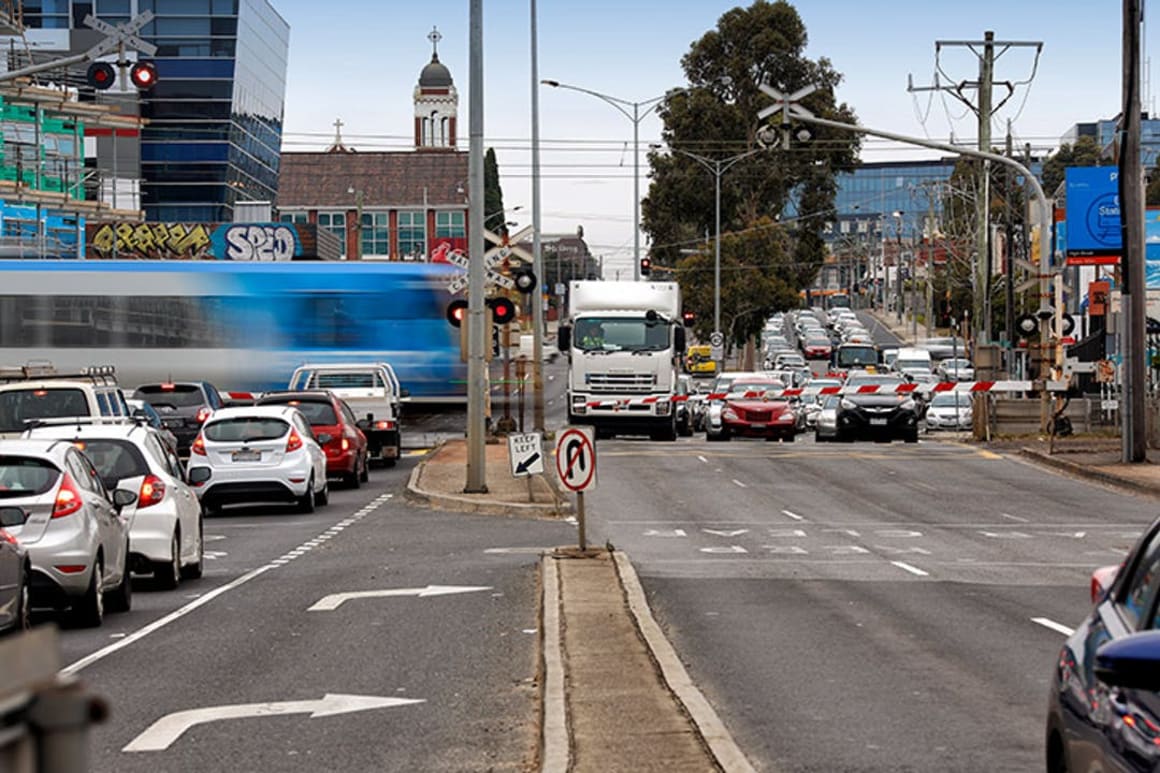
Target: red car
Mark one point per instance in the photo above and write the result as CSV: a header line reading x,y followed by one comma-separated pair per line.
x,y
817,349
346,453
755,409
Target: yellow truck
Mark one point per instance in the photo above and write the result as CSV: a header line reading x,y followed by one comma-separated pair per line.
x,y
699,361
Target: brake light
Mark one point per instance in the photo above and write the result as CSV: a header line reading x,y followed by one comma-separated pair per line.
x,y
6,537
152,491
293,443
68,498
203,413
198,446
345,444
384,425
168,387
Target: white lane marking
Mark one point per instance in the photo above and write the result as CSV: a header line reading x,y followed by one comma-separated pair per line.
x,y
739,483
1057,627
912,569
703,459
1015,518
795,516
181,612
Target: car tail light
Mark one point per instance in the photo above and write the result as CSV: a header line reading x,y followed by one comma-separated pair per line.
x,y
68,498
384,425
152,491
198,446
345,444
6,537
203,413
293,443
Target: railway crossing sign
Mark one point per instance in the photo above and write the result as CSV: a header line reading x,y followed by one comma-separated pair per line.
x,y
786,104
458,283
576,459
526,453
123,34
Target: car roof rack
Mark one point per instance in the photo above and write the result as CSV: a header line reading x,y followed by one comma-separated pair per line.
x,y
82,421
46,371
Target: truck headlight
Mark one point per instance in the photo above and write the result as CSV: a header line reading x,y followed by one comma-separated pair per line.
x,y
664,407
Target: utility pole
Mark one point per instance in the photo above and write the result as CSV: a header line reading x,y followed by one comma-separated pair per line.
x,y
1131,180
537,296
1009,278
476,322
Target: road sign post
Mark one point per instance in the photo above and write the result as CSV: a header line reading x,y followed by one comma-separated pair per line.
x,y
576,469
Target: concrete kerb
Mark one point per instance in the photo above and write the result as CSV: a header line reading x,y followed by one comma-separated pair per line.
x,y
1084,471
556,745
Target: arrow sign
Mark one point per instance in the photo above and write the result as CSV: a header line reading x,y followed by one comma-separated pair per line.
x,y
526,453
336,600
162,733
523,467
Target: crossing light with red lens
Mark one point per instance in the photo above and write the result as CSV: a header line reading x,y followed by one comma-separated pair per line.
x,y
143,75
457,312
503,310
101,76
689,317
645,266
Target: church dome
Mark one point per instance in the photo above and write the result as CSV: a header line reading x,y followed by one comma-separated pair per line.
x,y
435,75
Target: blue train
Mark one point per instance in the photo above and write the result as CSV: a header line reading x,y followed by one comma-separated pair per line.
x,y
243,326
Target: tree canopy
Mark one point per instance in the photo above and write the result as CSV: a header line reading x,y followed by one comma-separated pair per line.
x,y
1085,152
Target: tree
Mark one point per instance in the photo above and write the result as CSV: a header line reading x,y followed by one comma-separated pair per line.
x,y
716,117
496,220
1085,152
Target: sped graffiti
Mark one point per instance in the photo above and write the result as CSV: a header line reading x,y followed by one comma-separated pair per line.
x,y
189,241
260,242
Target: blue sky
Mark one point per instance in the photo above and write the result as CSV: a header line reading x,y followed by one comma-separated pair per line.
x,y
360,60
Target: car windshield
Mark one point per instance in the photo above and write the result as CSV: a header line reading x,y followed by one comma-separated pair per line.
x,y
367,379
317,412
902,364
620,334
817,342
955,364
114,459
20,406
245,429
855,356
831,402
869,379
22,476
171,395
756,386
948,399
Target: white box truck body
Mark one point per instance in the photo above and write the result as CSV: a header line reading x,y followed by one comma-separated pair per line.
x,y
624,341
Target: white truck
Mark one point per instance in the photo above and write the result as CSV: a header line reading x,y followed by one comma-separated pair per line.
x,y
374,395
624,342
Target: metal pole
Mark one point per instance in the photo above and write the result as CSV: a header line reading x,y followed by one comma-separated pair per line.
x,y
982,206
537,296
636,191
476,322
1009,283
581,519
717,262
1131,176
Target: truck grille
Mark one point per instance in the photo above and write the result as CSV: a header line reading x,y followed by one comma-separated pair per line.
x,y
621,382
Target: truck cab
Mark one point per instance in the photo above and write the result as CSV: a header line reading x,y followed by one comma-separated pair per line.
x,y
374,395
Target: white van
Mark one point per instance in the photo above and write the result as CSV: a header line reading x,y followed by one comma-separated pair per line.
x,y
911,361
32,393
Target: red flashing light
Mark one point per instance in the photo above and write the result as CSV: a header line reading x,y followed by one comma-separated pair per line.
x,y
101,76
143,75
457,312
502,310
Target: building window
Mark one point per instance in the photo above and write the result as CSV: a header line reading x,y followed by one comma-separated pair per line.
x,y
376,234
413,234
294,217
335,222
450,225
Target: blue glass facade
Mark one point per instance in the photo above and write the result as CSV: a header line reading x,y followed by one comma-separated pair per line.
x,y
1104,132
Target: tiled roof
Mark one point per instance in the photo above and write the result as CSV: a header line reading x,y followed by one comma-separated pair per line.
x,y
397,179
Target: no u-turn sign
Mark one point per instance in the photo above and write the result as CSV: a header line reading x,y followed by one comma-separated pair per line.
x,y
576,459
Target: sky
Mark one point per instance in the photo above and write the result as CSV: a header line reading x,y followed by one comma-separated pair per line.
x,y
359,60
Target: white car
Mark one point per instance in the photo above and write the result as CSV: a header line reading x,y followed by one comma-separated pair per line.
x,y
264,453
165,524
956,370
948,410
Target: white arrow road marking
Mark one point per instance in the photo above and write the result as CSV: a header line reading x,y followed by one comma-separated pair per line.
x,y
336,600
213,537
162,733
214,554
665,533
1057,627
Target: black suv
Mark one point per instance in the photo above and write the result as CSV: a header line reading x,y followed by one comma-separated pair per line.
x,y
183,406
882,414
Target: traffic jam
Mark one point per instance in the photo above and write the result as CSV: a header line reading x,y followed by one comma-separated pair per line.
x,y
100,483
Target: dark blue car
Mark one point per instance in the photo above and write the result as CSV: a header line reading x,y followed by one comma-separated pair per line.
x,y
1104,708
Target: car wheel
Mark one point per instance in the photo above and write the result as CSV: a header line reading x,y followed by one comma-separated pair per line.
x,y
306,501
167,574
789,437
353,479
89,610
911,437
324,495
194,571
398,453
820,438
121,597
365,474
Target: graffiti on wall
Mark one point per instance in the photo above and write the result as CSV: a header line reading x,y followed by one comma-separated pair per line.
x,y
195,241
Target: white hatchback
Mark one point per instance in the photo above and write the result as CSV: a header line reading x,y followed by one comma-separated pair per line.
x,y
253,454
165,532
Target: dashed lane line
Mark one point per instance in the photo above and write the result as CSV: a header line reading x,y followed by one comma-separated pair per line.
x,y
1057,627
912,569
739,483
792,515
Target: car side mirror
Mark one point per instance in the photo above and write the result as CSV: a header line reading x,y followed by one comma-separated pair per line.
x,y
199,475
564,338
679,338
12,516
324,438
122,498
1132,662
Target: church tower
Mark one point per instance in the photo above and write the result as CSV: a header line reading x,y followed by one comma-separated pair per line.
x,y
436,103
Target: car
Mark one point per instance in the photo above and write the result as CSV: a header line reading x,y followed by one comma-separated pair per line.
x,y
948,410
956,369
165,521
789,360
818,348
754,408
1103,709
346,453
259,453
883,414
184,406
70,524
941,348
809,405
915,362
32,392
147,414
684,408
15,575
826,425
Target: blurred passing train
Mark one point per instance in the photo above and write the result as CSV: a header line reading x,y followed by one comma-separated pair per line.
x,y
243,326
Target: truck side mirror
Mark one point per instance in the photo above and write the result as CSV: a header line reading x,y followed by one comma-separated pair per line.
x,y
564,338
679,338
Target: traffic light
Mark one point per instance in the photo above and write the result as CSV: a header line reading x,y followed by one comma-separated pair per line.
x,y
101,76
689,318
457,312
143,75
503,310
645,266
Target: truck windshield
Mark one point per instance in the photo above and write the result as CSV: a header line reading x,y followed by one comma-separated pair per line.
x,y
855,356
620,334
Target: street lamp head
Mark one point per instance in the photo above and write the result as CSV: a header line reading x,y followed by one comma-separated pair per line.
x,y
549,82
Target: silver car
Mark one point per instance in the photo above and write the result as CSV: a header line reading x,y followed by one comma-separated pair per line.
x,y
826,424
15,574
77,541
956,369
948,410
